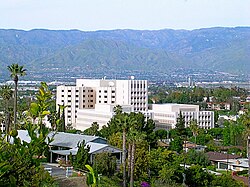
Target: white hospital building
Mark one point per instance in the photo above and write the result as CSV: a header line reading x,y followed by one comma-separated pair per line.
x,y
93,100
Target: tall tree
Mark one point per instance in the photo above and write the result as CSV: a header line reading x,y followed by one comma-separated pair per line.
x,y
180,125
136,137
6,93
15,71
123,121
194,128
93,130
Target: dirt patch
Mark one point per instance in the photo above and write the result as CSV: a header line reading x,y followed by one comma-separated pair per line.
x,y
72,182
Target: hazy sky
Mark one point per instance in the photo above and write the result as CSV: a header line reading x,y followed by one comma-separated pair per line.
x,y
121,14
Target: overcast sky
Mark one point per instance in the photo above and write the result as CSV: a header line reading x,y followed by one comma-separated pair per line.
x,y
123,14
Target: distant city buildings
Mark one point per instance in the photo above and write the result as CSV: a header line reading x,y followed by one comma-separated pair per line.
x,y
94,101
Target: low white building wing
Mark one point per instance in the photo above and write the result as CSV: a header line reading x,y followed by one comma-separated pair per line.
x,y
165,115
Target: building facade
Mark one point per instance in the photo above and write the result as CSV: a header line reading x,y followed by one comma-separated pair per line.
x,y
89,92
165,115
101,114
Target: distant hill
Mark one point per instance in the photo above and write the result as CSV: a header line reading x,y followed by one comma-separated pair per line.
x,y
217,49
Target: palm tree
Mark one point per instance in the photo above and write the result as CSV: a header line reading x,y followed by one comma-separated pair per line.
x,y
16,71
194,128
122,120
135,137
125,121
6,94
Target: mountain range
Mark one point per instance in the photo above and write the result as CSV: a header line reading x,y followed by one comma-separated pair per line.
x,y
70,51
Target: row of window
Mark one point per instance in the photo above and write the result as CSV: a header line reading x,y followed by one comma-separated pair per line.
x,y
78,90
164,115
106,101
138,93
138,86
139,109
106,91
138,97
105,96
89,106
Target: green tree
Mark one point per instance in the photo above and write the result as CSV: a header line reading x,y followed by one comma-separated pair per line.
x,y
197,158
194,128
176,144
135,137
196,176
16,71
40,108
165,166
93,130
20,161
226,181
60,119
6,94
82,156
118,109
180,125
105,164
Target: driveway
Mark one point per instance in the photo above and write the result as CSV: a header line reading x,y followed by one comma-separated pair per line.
x,y
56,171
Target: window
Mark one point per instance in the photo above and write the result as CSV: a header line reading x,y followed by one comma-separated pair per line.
x,y
99,101
77,90
83,91
91,105
113,91
62,90
62,95
105,91
100,96
62,101
105,101
112,101
83,96
83,106
113,96
105,96
69,90
91,100
91,95
100,91
91,90
83,101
